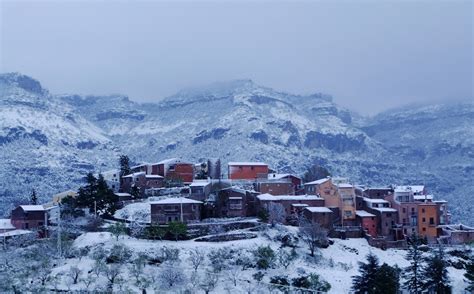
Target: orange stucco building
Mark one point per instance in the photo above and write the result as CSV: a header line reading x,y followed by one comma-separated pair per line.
x,y
247,170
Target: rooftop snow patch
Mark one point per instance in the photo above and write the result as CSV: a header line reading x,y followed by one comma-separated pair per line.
x,y
318,182
179,200
269,197
247,163
6,224
318,209
134,175
385,209
413,188
370,200
32,207
363,213
202,183
280,176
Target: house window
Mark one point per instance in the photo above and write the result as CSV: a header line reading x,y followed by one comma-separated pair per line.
x,y
431,221
423,210
412,209
251,167
424,229
404,210
193,207
423,220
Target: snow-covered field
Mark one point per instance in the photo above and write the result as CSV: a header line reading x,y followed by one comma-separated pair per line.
x,y
337,263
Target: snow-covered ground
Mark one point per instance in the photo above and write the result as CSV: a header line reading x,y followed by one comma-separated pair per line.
x,y
337,263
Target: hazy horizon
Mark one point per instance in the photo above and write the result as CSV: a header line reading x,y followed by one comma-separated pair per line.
x,y
370,56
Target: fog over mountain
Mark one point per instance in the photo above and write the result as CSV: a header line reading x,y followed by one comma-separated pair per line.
x,y
370,55
49,141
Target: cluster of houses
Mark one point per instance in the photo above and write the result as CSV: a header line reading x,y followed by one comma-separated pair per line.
x,y
186,192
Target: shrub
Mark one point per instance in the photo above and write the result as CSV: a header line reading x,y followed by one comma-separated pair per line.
x,y
265,257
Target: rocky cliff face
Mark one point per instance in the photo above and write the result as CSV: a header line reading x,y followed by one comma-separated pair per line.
x,y
51,141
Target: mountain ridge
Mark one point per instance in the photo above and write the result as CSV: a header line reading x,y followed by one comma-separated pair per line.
x,y
238,120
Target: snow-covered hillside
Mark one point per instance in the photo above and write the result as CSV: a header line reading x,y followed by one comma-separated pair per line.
x,y
50,141
335,264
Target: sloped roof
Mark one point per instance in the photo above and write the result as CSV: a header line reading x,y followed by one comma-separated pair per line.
x,y
32,207
363,213
318,209
134,175
318,182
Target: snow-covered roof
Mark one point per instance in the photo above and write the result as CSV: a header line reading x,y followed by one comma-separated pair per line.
x,y
235,198
140,165
423,197
344,185
32,207
134,175
299,205
6,224
318,182
413,188
385,209
269,197
363,213
15,233
153,177
123,194
179,200
318,209
248,163
280,176
375,200
172,161
198,183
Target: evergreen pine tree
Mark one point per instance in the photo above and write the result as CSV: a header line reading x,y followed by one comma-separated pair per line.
x,y
86,194
365,283
106,198
33,198
436,273
96,195
124,162
135,192
387,279
469,275
412,273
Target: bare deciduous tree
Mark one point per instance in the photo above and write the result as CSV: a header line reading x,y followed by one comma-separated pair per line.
x,y
171,277
74,274
112,273
285,258
209,282
312,234
196,257
276,213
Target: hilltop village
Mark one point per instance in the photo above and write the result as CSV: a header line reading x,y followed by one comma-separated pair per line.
x,y
177,191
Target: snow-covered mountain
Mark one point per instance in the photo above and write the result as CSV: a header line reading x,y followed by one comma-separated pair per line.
x,y
236,120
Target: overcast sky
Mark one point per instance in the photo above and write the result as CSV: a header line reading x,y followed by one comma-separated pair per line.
x,y
369,55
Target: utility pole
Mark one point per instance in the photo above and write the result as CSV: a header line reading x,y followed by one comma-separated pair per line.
x,y
181,202
59,232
